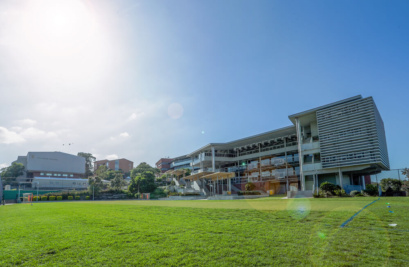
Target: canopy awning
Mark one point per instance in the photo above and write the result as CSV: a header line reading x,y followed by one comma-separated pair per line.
x,y
219,176
197,176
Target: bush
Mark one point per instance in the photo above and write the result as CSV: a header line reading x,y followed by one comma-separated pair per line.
x,y
405,187
159,192
173,194
355,193
87,197
59,197
328,187
137,195
35,198
391,186
51,198
371,190
70,197
339,192
242,193
250,186
316,195
44,198
77,197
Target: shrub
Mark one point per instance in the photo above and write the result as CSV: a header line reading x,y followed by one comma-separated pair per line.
x,y
242,193
159,192
391,186
166,192
70,197
405,187
316,195
339,192
87,197
172,183
355,193
35,198
59,197
137,195
77,197
51,198
328,187
371,190
44,198
250,186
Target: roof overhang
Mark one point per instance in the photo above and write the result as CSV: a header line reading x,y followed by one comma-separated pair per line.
x,y
219,176
197,176
311,111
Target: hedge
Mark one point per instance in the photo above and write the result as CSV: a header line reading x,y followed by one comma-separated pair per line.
x,y
87,197
70,198
77,197
51,198
59,198
44,198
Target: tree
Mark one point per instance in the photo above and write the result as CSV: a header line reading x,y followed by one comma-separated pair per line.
x,y
95,185
405,187
101,172
110,174
405,172
118,181
391,186
89,162
144,183
15,170
142,168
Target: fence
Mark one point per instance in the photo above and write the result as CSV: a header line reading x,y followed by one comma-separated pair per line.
x,y
394,173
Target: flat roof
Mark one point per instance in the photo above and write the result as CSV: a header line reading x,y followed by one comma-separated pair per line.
x,y
292,117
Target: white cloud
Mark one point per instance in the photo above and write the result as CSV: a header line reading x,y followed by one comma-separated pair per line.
x,y
3,165
124,134
10,137
34,133
135,116
112,157
26,122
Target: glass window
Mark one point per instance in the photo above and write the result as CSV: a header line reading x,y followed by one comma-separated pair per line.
x,y
49,174
42,173
308,158
71,175
317,158
65,175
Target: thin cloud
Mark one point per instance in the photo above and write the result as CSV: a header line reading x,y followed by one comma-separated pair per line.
x,y
112,157
10,137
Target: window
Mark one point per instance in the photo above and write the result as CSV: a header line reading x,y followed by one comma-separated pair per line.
x,y
71,175
308,158
42,173
49,174
65,175
317,158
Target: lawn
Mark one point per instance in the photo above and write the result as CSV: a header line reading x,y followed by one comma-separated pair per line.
x,y
260,232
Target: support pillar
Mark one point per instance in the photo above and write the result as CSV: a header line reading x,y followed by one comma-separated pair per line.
x,y
213,160
340,178
300,155
363,182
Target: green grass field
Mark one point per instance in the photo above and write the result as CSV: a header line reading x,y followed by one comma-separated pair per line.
x,y
262,232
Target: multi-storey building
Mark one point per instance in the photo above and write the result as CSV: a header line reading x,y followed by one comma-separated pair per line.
x,y
164,164
53,170
117,164
342,142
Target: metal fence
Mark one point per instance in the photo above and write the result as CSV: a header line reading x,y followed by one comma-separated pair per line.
x,y
394,174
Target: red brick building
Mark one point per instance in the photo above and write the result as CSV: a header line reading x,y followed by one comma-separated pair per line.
x,y
116,164
164,164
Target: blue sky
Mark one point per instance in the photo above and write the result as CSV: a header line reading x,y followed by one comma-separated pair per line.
x,y
236,68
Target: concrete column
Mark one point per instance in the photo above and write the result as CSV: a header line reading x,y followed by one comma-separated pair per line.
x,y
213,160
340,178
363,182
286,162
300,155
230,184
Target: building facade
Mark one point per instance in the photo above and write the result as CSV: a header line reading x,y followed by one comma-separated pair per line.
x,y
342,142
117,164
164,164
53,170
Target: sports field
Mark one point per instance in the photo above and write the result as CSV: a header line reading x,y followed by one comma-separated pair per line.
x,y
262,232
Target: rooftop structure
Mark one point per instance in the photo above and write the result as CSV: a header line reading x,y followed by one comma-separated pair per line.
x,y
116,164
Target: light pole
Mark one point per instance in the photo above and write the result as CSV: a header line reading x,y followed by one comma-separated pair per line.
x,y
38,185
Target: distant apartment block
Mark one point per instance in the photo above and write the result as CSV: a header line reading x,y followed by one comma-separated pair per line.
x,y
164,164
342,143
116,164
